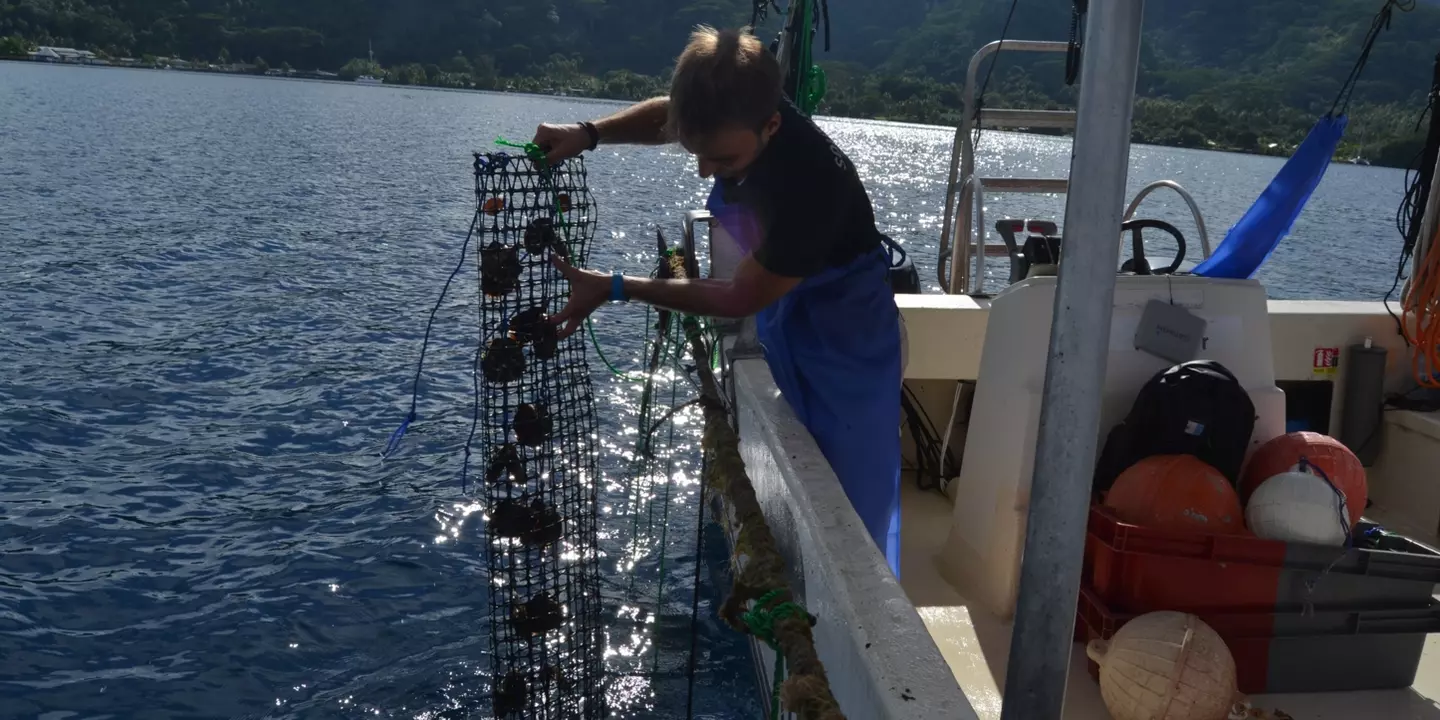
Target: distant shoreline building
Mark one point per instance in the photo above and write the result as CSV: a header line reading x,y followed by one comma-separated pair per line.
x,y
72,56
46,53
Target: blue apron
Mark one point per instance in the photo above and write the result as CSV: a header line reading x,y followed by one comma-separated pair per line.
x,y
833,347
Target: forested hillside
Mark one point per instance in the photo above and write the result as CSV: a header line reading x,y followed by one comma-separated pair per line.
x,y
1243,74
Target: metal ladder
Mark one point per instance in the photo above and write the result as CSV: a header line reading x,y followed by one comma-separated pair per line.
x,y
957,238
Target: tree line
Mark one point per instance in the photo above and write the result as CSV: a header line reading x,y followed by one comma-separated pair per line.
x,y
1248,75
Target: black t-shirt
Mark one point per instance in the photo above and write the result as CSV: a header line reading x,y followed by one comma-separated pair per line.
x,y
808,200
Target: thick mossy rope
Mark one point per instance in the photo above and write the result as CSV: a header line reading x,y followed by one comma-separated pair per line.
x,y
806,692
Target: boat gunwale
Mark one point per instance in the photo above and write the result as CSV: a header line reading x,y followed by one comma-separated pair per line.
x,y
896,670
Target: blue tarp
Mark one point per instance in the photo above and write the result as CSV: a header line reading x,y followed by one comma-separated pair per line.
x,y
1251,241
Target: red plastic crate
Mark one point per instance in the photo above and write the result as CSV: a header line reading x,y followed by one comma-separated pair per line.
x,y
1297,652
1135,569
1138,569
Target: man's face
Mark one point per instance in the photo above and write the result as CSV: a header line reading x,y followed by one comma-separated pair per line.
x,y
728,153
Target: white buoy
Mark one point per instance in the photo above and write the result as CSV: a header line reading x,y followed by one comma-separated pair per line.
x,y
1166,666
1298,506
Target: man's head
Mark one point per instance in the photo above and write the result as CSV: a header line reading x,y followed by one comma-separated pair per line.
x,y
725,100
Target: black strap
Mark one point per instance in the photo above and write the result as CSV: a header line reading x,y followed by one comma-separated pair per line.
x,y
994,60
1381,22
895,248
1418,179
760,10
1424,174
1072,53
592,132
825,13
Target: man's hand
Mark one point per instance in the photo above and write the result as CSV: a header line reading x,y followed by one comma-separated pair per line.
x,y
561,142
588,291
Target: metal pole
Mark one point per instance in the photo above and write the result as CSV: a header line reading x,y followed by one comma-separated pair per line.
x,y
1075,373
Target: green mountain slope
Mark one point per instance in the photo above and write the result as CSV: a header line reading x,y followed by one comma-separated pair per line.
x,y
1251,75
1243,74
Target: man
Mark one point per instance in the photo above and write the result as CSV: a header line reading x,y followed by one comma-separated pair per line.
x,y
816,266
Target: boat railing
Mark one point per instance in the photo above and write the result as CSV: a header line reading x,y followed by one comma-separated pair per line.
x,y
1184,195
724,256
688,245
972,194
956,232
972,215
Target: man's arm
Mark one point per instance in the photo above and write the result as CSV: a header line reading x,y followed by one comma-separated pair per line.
x,y
640,124
751,290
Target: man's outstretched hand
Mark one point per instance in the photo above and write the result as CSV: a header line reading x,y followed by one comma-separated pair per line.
x,y
561,142
588,291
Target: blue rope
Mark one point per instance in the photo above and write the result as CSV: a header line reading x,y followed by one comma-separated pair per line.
x,y
394,443
475,415
1309,467
395,437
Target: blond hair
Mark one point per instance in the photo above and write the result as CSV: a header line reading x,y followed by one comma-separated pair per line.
x,y
723,78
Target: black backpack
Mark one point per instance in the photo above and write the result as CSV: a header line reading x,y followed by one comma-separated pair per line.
x,y
1195,408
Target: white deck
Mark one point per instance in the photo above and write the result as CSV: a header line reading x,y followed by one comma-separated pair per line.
x,y
976,646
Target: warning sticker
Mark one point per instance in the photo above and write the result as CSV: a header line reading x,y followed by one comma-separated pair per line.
x,y
1327,362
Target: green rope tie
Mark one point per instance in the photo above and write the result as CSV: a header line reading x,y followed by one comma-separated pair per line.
x,y
814,91
761,620
530,149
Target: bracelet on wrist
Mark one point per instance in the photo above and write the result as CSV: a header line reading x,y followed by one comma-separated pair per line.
x,y
617,288
593,132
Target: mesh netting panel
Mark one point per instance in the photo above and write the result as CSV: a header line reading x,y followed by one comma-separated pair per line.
x,y
536,443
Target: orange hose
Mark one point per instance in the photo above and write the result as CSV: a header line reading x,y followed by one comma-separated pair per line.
x,y
1422,306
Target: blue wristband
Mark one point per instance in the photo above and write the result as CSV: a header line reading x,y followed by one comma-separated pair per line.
x,y
617,288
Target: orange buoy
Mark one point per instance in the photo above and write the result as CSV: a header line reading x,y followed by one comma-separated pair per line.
x,y
494,205
1177,492
1325,453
